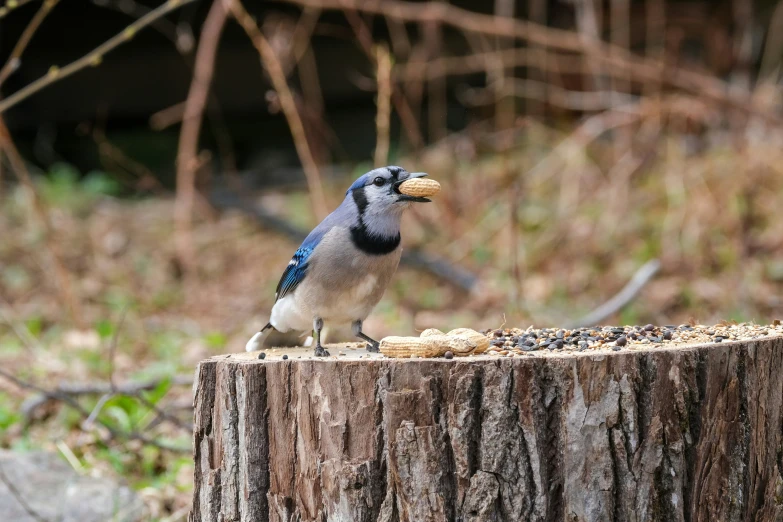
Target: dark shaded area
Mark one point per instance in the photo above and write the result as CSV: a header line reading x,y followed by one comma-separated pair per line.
x,y
153,72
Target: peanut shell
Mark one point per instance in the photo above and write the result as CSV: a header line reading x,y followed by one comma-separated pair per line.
x,y
420,187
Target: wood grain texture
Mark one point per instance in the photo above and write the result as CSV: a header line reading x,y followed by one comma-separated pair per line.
x,y
686,434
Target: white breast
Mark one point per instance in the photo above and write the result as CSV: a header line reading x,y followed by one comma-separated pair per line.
x,y
290,314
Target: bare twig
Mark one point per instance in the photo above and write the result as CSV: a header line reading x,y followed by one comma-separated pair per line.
x,y
19,497
88,422
159,412
181,35
620,36
14,60
113,348
311,105
167,117
401,44
19,328
302,35
432,42
769,69
163,414
97,388
187,150
116,160
643,275
61,273
136,10
639,67
273,66
10,6
441,268
94,57
384,107
477,62
401,105
588,130
573,100
131,390
137,395
505,110
72,402
537,13
174,114
76,389
588,29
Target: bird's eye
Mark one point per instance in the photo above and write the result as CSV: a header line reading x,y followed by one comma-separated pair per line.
x,y
378,182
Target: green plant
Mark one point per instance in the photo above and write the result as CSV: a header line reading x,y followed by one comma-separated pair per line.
x,y
65,187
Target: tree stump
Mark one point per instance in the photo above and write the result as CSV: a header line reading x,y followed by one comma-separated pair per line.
x,y
689,433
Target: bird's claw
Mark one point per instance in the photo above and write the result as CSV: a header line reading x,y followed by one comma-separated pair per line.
x,y
321,352
373,347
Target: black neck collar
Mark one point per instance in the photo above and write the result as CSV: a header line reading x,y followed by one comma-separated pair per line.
x,y
363,240
371,244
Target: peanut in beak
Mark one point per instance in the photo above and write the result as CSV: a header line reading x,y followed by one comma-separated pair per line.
x,y
419,187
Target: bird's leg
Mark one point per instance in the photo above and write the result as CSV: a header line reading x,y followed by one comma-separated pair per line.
x,y
372,344
318,324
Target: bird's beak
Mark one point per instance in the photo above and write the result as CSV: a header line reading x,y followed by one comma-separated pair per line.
x,y
405,197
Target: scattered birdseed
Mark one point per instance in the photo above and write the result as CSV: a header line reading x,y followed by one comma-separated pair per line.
x,y
517,341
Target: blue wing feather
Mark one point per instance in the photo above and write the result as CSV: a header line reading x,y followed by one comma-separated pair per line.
x,y
294,273
296,270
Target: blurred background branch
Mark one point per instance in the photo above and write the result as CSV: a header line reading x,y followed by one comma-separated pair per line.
x,y
274,68
15,59
93,58
188,163
622,298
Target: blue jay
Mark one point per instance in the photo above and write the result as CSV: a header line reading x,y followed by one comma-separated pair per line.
x,y
341,270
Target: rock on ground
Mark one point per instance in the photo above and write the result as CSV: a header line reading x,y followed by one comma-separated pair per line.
x,y
55,492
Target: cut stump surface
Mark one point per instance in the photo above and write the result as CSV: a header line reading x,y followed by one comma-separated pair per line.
x,y
685,433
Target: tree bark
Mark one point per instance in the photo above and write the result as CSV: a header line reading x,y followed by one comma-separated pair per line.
x,y
685,434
